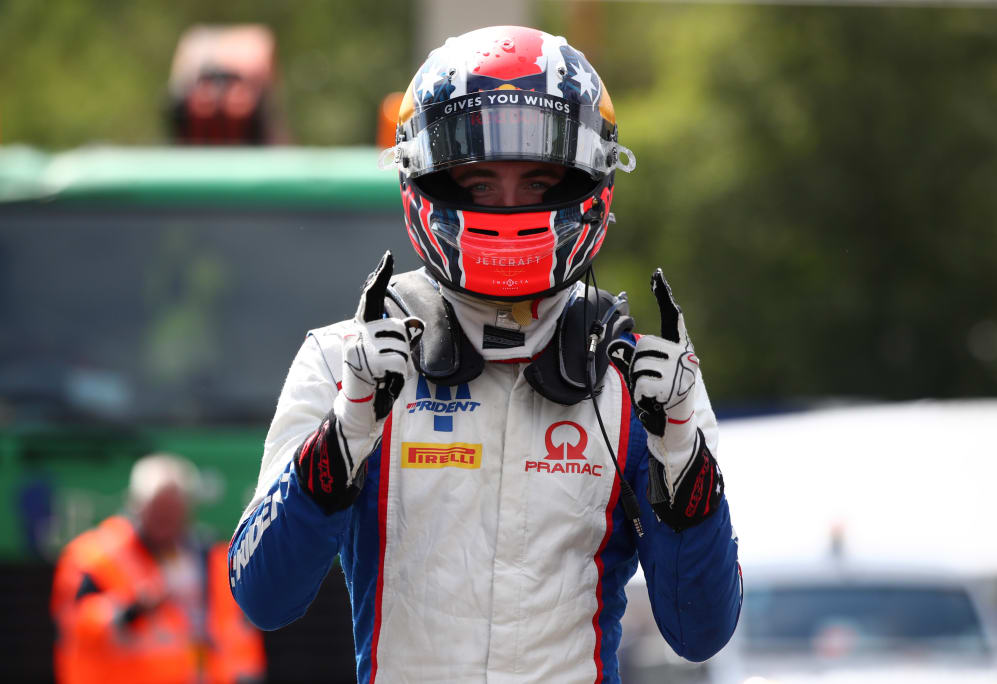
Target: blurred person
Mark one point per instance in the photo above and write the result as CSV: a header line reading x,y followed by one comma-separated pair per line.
x,y
222,86
487,480
138,599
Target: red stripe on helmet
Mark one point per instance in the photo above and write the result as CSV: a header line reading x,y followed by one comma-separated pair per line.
x,y
408,201
578,243
425,209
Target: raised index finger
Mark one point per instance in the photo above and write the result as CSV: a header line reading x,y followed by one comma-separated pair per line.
x,y
372,298
666,306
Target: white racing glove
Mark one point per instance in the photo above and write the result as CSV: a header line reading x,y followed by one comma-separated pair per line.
x,y
685,484
377,361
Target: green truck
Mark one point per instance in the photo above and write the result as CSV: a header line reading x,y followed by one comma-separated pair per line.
x,y
152,299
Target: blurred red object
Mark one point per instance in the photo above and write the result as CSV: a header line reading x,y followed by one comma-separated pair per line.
x,y
221,87
387,119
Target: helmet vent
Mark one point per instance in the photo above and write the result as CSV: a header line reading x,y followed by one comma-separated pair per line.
x,y
533,231
483,231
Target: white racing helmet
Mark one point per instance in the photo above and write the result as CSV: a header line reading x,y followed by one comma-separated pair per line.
x,y
507,93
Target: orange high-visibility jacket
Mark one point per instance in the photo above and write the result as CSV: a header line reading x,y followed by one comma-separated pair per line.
x,y
103,572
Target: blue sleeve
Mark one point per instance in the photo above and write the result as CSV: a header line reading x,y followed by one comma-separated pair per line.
x,y
693,577
280,554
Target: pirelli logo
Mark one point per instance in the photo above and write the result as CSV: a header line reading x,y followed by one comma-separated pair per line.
x,y
430,455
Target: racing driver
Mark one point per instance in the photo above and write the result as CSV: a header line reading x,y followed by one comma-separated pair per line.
x,y
487,446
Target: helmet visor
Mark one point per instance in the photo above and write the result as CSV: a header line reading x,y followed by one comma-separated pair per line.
x,y
507,125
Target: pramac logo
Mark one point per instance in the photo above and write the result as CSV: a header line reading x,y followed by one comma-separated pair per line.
x,y
560,450
565,450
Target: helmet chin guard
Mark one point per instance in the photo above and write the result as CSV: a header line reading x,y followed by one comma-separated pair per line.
x,y
507,253
507,93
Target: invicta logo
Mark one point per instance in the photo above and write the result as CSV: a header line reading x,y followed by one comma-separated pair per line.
x,y
429,455
565,452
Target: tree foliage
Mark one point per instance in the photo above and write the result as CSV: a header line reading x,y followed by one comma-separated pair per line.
x,y
818,185
79,72
816,182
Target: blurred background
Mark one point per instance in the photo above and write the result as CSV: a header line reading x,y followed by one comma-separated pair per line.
x,y
187,187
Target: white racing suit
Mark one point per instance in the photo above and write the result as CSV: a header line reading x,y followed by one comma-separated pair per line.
x,y
488,543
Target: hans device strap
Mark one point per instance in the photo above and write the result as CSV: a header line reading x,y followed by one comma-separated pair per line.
x,y
444,354
446,357
559,372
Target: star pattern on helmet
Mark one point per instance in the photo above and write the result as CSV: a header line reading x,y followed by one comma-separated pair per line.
x,y
585,84
579,83
427,81
433,85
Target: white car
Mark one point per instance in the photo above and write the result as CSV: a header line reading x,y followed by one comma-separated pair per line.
x,y
838,622
834,622
840,512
